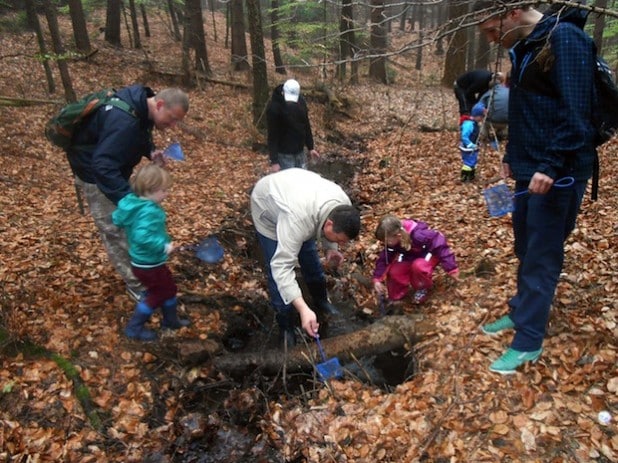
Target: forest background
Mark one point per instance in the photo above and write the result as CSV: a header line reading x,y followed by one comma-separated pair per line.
x,y
378,78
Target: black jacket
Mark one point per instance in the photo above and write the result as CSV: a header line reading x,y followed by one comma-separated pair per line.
x,y
289,130
111,142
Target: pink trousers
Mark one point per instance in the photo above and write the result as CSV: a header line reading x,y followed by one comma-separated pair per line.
x,y
401,275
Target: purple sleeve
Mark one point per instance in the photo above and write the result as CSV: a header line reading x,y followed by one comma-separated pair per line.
x,y
381,265
434,242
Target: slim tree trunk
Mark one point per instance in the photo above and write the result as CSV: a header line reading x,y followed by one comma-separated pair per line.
x,y
258,61
174,19
347,41
112,23
52,23
212,16
80,32
377,64
455,62
137,43
142,8
599,26
240,60
198,38
421,31
186,47
274,37
33,20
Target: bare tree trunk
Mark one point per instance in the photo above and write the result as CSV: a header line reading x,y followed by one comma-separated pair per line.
x,y
112,23
441,14
137,43
126,22
52,23
346,37
142,8
197,37
405,7
482,53
186,46
80,32
212,15
421,26
258,59
455,62
174,18
274,37
377,64
599,26
240,60
33,20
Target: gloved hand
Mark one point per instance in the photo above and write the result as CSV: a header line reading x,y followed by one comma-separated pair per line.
x,y
472,146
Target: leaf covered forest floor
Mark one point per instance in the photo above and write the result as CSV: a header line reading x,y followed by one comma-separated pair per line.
x,y
58,291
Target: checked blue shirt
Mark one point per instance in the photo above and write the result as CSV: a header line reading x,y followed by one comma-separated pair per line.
x,y
551,102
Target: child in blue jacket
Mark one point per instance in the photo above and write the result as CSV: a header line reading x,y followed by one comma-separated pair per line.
x,y
143,219
468,147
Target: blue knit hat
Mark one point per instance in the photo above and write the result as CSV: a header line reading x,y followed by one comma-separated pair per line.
x,y
478,110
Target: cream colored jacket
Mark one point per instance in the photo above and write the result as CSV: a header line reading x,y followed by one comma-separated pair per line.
x,y
290,207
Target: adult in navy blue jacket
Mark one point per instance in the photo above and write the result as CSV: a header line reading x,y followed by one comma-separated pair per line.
x,y
106,148
551,136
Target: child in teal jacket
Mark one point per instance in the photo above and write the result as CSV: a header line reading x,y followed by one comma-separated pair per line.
x,y
143,219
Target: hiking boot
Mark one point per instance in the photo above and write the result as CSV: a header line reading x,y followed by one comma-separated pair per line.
x,y
504,323
420,296
512,359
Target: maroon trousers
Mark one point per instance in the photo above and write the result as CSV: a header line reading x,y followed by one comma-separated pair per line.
x,y
159,284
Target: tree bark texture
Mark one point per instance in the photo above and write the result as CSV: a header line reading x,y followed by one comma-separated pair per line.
x,y
80,31
258,59
197,36
112,23
455,62
33,20
240,58
377,64
137,42
274,37
54,31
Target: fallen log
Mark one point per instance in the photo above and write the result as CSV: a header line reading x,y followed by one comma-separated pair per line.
x,y
386,334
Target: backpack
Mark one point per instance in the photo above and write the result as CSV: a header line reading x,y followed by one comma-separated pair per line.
x,y
605,114
60,129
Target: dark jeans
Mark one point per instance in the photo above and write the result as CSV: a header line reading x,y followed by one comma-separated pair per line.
x,y
541,225
310,266
159,284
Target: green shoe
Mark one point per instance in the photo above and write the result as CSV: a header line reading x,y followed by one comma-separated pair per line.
x,y
504,323
512,359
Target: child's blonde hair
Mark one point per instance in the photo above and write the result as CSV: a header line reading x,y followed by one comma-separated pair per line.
x,y
390,226
149,179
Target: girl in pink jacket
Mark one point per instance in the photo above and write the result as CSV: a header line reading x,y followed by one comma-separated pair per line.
x,y
411,253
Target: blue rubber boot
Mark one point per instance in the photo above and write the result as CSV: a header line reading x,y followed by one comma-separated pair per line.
x,y
135,328
170,315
